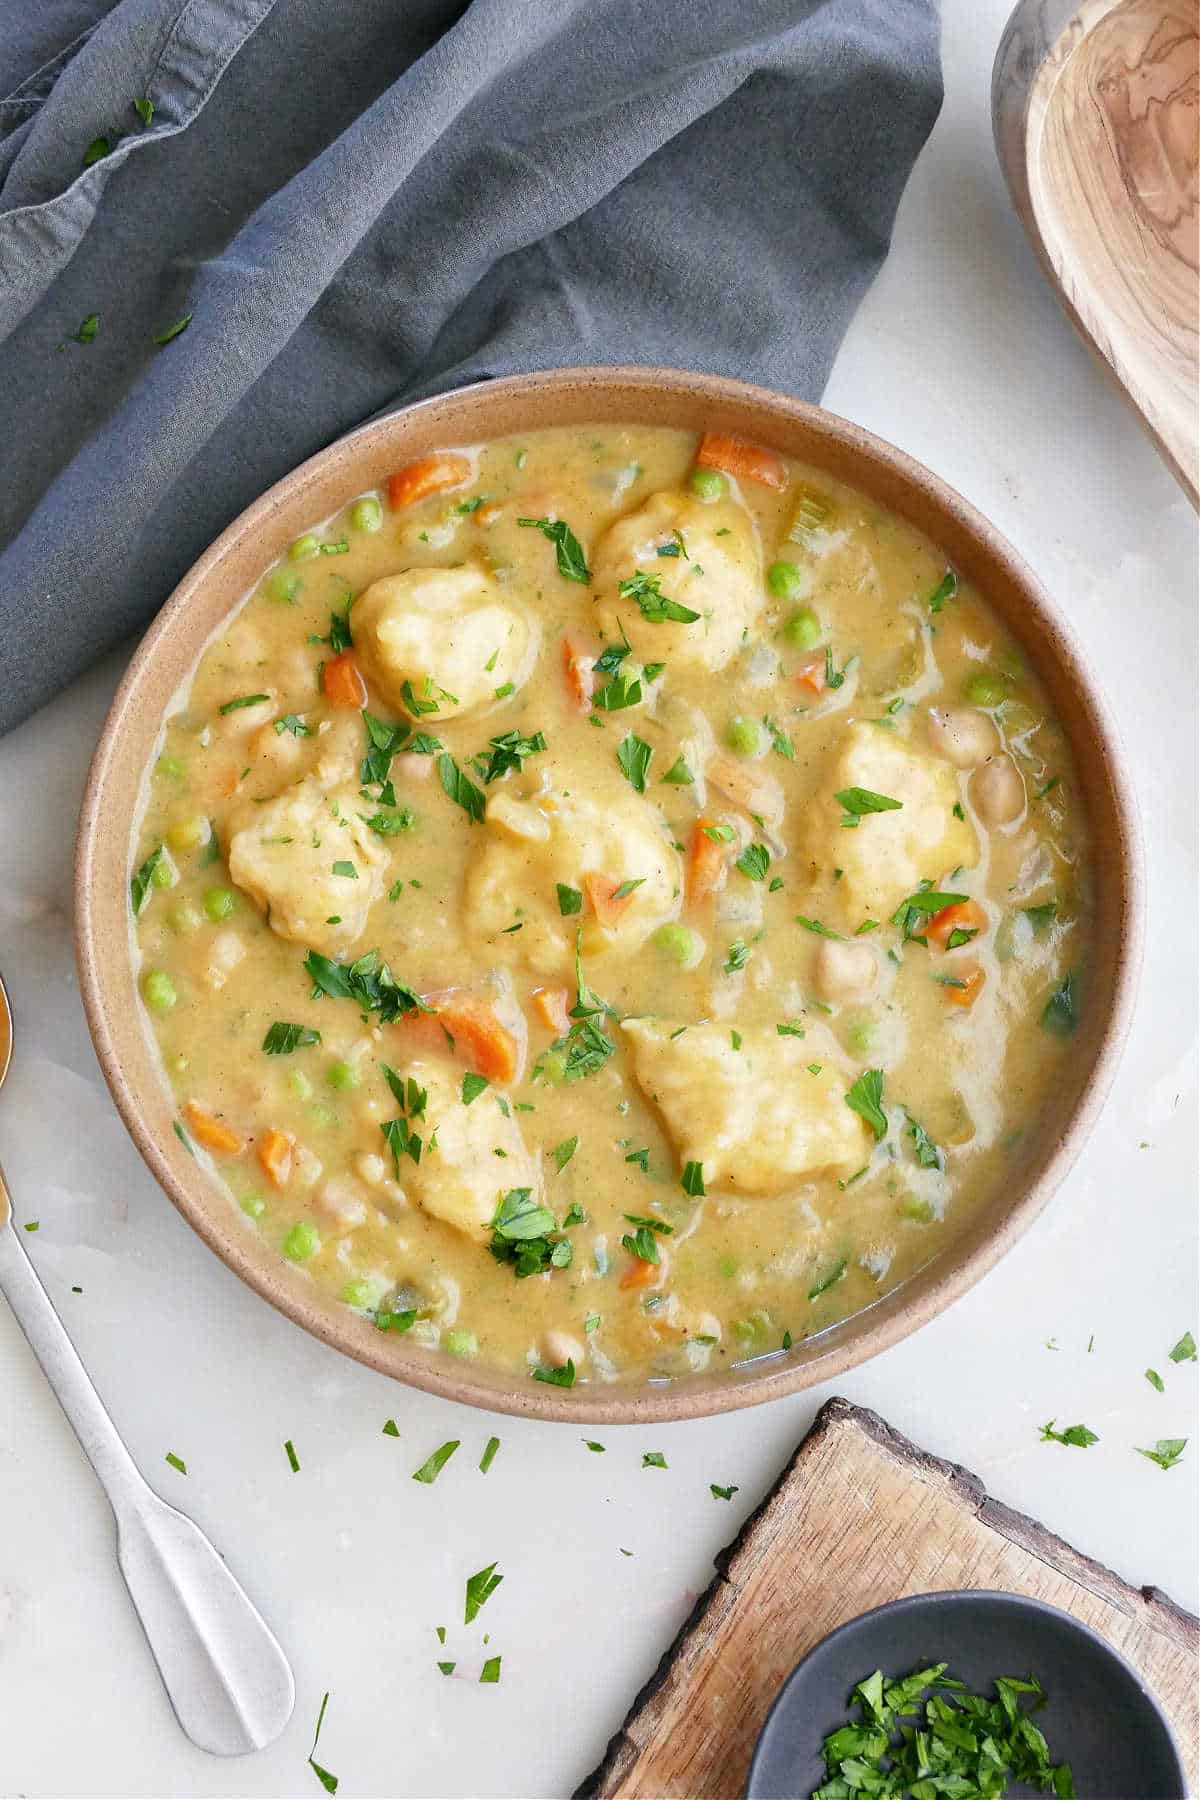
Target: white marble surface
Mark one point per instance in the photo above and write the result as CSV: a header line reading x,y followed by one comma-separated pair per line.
x,y
961,356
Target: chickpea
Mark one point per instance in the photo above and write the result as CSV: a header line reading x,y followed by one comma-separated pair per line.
x,y
962,735
844,971
997,791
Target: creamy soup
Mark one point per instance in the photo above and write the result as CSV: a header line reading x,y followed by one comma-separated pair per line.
x,y
611,904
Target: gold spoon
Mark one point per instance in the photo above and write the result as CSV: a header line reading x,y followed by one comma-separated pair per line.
x,y
225,1674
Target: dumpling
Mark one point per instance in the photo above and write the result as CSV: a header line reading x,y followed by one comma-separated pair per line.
x,y
293,857
758,1118
596,843
720,578
440,641
461,1179
888,854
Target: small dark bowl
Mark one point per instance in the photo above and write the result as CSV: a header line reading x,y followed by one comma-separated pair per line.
x,y
1099,1716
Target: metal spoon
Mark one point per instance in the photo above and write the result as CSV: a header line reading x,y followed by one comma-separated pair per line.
x,y
225,1674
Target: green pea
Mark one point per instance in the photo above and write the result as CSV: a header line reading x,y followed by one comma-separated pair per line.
x,y
860,1037
802,628
158,990
553,1067
746,736
253,1204
357,1293
189,834
918,1210
708,484
342,1075
366,514
163,874
302,548
786,580
184,917
680,943
283,585
462,1343
169,765
299,1083
219,902
178,1066
301,1242
728,1267
985,688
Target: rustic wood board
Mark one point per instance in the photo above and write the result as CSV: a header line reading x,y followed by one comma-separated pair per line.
x,y
860,1516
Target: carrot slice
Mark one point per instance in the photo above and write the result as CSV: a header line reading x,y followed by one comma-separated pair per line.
x,y
641,1274
964,915
972,984
341,682
210,1132
427,475
607,900
480,1040
578,667
274,1152
550,1004
706,861
811,675
750,462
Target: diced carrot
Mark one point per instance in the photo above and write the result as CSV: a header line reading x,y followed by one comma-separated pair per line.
x,y
480,1040
550,1004
607,901
274,1152
578,665
750,462
641,1274
210,1132
811,675
706,861
427,475
964,915
341,682
966,995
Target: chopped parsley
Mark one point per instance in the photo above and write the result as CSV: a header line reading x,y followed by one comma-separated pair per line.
x,y
562,1153
1060,1014
1041,917
521,1235
738,957
910,914
570,900
346,870
432,1467
721,1493
659,1225
561,1377
945,590
641,1243
328,1782
788,1030
816,925
1156,1381
1078,1436
176,1462
633,754
781,744
507,752
754,861
244,700
692,1180
460,788
857,802
142,879
480,1588
1166,1452
340,636
368,981
830,1278
291,722
928,1154
472,1086
641,1158
653,1459
572,564
87,330
383,741
293,1459
1184,1350
595,1448
390,1428
866,1099
282,1039
622,691
655,605
489,1455
490,1671
391,824
173,331
679,775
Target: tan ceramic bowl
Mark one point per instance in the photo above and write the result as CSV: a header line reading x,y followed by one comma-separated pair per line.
x,y
230,568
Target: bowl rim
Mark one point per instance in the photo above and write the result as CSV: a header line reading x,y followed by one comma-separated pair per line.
x,y
904,1309
940,1598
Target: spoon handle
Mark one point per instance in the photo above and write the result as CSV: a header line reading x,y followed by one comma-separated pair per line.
x,y
224,1672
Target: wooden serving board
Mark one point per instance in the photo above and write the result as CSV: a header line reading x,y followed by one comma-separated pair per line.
x,y
860,1516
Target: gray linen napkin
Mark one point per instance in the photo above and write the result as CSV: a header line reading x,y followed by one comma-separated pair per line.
x,y
358,203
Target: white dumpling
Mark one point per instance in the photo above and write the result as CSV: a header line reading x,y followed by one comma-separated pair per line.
x,y
461,1179
448,633
283,855
756,1118
592,842
888,854
720,578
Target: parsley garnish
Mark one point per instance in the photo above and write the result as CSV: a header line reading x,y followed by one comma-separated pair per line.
x,y
781,745
339,622
908,915
597,1449
857,802
796,1031
572,564
1059,1015
391,824
491,1669
659,1225
641,1158
830,1279
738,957
1184,1350
866,1099
143,879
562,1154
480,1588
928,1154
88,329
346,870
521,1235
282,1038
1041,917
390,1428
564,1377
293,1459
1156,1381
1166,1452
472,1086
634,754
489,1455
432,1467
328,1782
245,700
290,722
622,691
1078,1436
461,788
508,751
692,1179
654,604
368,982
945,590
754,861
641,1243
816,925
653,1459
570,900
679,775
176,1462
398,1134
721,1493
173,331
383,741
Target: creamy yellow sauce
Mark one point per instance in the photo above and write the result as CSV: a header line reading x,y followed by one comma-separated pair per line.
x,y
802,723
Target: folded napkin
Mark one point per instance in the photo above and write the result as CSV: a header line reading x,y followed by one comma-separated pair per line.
x,y
356,204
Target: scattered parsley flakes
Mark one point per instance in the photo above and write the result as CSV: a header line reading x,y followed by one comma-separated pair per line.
x,y
491,1668
1060,1014
1079,1436
570,900
737,957
88,330
328,1782
143,880
282,1038
367,981
788,1030
816,925
655,606
572,563
432,1467
472,1086
692,1180
857,802
176,1462
563,1377
1156,1381
754,861
293,1459
562,1153
1184,1350
460,788
231,706
507,752
928,1154
480,1588
831,1277
489,1457
866,1099
1166,1452
945,590
721,1493
173,331
679,775
145,111
390,1428
633,755
653,1459
642,1243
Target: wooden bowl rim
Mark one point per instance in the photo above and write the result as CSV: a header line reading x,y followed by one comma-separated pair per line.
x,y
654,394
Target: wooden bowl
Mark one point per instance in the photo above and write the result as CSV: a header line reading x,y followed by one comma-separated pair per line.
x,y
168,654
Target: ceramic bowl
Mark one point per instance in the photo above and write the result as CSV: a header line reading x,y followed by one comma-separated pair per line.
x,y
1099,1716
218,582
